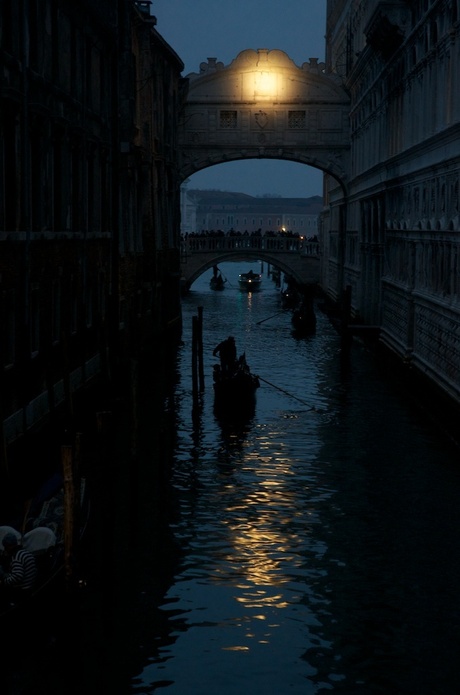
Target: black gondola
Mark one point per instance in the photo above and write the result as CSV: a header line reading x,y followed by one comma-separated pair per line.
x,y
235,389
304,321
42,533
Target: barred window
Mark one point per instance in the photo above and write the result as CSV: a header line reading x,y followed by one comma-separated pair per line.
x,y
297,119
228,119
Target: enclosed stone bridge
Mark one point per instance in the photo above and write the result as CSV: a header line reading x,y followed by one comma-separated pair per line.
x,y
294,256
263,105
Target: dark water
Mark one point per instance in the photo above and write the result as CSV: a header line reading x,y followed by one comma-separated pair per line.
x,y
312,549
317,547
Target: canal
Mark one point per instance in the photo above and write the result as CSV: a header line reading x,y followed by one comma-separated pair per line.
x,y
314,548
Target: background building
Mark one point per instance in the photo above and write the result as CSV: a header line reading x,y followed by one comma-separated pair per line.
x,y
226,211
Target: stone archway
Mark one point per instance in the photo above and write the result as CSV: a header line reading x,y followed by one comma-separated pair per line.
x,y
262,105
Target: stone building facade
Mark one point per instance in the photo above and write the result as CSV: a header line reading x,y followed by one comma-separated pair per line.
x,y
391,229
88,247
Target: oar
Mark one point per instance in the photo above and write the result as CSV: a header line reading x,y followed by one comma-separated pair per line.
x,y
270,317
226,279
310,407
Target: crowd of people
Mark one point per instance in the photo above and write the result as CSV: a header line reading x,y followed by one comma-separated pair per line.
x,y
234,233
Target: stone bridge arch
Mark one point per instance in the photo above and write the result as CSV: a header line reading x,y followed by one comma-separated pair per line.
x,y
294,256
262,105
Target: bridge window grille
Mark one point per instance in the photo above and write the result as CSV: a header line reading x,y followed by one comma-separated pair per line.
x,y
297,120
228,119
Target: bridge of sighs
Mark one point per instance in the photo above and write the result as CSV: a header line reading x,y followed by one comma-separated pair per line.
x,y
263,105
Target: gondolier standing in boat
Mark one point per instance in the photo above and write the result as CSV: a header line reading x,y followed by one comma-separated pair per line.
x,y
227,353
22,571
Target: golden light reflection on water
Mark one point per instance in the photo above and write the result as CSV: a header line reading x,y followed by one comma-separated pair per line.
x,y
260,532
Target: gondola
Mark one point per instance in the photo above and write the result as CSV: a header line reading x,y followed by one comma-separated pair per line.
x,y
303,321
217,283
235,390
42,532
290,298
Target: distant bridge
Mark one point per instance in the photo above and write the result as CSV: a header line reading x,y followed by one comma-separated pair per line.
x,y
294,256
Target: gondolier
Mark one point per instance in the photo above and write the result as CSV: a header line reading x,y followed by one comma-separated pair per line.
x,y
227,353
22,571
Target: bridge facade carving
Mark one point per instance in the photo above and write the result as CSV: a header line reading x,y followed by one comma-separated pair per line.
x,y
294,256
263,105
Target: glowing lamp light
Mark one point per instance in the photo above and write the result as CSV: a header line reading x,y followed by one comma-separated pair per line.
x,y
264,84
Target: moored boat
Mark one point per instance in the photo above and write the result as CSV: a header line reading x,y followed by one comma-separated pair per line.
x,y
43,533
249,282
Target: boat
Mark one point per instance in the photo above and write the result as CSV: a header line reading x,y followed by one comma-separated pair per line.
x,y
304,321
290,298
235,390
217,282
249,282
42,531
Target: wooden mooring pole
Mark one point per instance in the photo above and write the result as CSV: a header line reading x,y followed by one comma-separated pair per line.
x,y
67,458
200,348
197,354
194,358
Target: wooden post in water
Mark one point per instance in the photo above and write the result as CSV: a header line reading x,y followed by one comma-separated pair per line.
x,y
194,358
69,508
200,347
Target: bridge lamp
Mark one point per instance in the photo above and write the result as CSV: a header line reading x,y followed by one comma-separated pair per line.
x,y
264,84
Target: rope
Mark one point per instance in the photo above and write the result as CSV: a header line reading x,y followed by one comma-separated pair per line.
x,y
310,407
270,317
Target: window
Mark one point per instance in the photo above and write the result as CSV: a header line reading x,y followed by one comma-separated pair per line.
x,y
9,332
56,310
228,119
34,318
297,120
89,305
73,305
